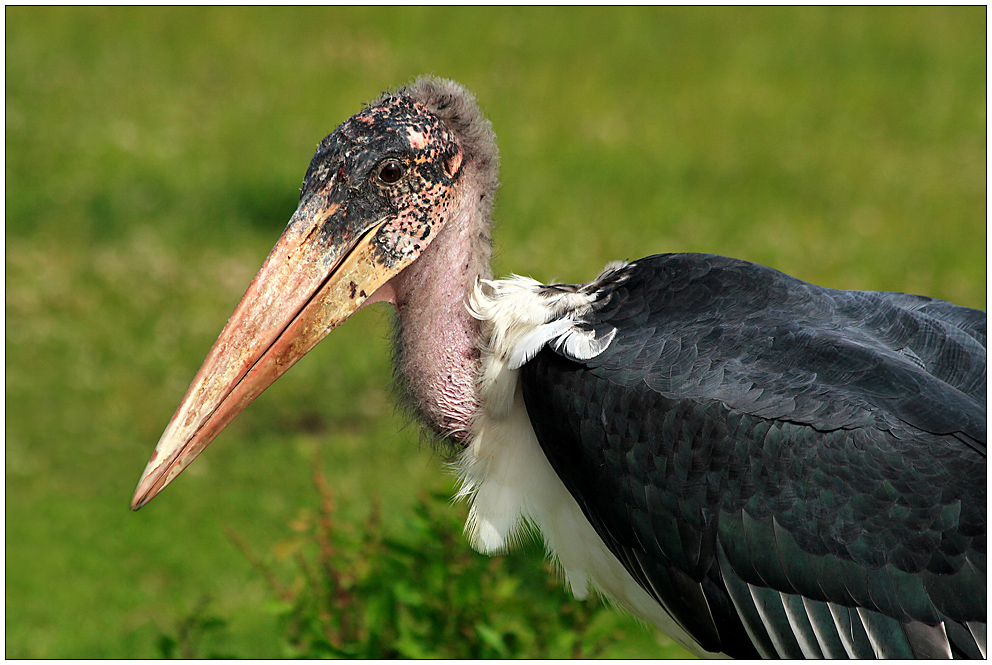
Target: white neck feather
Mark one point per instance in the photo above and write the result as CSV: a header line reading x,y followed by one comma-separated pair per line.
x,y
505,475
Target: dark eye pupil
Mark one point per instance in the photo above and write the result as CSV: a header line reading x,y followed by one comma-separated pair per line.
x,y
390,172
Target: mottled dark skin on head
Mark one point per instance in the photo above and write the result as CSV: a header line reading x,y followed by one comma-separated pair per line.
x,y
345,170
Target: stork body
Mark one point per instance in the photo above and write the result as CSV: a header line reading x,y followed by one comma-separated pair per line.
x,y
756,465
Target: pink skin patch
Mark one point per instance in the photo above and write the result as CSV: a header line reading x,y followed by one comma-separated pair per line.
x,y
418,140
385,293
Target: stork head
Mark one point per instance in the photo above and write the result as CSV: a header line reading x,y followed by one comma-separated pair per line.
x,y
377,193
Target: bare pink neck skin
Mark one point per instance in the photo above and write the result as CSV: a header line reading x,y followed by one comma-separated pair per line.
x,y
437,355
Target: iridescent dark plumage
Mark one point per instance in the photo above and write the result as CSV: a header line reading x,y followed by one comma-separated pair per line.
x,y
744,427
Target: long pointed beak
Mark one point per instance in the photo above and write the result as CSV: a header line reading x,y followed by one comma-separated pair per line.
x,y
309,284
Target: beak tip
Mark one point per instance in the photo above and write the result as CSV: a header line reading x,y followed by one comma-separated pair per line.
x,y
139,499
138,502
148,488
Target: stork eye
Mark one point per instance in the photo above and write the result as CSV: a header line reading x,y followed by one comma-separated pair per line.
x,y
390,172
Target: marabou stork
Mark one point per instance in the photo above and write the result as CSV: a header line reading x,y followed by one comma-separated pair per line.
x,y
756,465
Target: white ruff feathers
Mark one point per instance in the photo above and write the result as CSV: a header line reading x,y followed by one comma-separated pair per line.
x,y
505,474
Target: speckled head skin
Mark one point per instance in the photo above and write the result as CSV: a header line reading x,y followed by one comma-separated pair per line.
x,y
415,165
394,161
399,160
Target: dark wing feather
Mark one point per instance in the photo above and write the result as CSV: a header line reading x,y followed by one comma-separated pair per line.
x,y
774,461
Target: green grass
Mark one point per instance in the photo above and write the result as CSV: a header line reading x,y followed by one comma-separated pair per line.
x,y
153,156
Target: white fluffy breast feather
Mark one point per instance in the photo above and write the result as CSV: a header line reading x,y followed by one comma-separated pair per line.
x,y
505,475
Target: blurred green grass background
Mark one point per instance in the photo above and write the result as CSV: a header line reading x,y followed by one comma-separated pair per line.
x,y
154,155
